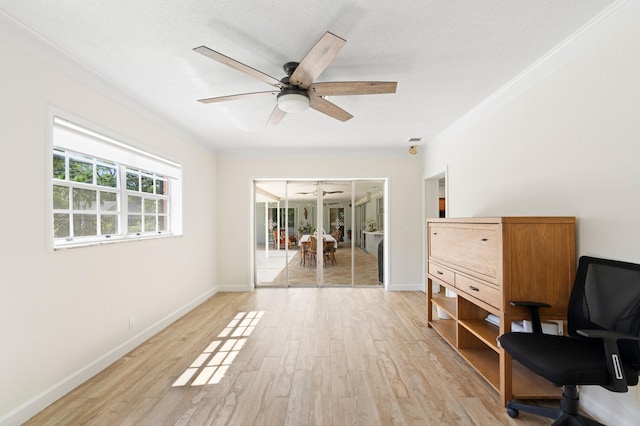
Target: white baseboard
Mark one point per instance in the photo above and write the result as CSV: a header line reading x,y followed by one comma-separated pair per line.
x,y
406,287
39,402
232,287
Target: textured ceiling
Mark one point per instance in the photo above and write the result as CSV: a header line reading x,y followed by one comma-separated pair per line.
x,y
446,55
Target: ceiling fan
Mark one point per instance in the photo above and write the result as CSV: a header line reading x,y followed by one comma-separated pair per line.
x,y
298,90
315,193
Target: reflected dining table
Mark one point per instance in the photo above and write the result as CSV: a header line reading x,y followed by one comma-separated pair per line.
x,y
304,245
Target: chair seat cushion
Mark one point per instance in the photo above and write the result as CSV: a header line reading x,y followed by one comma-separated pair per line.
x,y
562,360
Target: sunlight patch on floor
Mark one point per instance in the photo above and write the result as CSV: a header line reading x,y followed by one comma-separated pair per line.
x,y
212,364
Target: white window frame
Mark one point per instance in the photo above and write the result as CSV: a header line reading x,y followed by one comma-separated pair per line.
x,y
87,140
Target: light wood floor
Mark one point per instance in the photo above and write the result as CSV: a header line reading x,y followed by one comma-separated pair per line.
x,y
317,356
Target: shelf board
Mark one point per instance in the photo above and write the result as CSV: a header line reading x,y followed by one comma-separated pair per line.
x,y
483,330
486,362
446,329
528,385
447,304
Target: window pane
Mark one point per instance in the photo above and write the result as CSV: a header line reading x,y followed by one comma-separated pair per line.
x,y
85,225
108,201
147,184
149,223
109,224
106,176
135,224
60,197
60,225
149,205
84,199
161,187
58,167
162,206
80,171
163,223
134,204
133,183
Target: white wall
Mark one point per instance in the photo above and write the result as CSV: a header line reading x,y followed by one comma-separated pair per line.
x,y
563,140
235,175
65,314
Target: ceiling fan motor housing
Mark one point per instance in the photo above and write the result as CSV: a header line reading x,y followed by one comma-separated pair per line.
x,y
290,67
293,99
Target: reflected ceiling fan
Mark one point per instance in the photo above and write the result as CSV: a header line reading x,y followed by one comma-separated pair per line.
x,y
315,193
298,90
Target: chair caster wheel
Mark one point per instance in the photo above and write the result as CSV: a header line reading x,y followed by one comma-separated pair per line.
x,y
513,413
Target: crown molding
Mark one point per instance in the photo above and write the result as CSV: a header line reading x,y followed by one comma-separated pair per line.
x,y
600,26
42,48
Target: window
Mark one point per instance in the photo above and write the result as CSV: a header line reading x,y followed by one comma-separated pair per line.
x,y
97,197
147,202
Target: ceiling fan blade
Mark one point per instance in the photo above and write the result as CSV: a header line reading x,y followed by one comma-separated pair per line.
x,y
237,97
318,58
344,88
332,110
276,116
219,57
333,192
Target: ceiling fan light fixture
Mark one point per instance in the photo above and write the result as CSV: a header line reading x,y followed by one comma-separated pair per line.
x,y
291,100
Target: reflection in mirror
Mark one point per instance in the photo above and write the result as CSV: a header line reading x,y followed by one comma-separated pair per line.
x,y
270,228
368,232
348,214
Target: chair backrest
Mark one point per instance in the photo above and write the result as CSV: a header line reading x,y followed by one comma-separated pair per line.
x,y
313,243
606,296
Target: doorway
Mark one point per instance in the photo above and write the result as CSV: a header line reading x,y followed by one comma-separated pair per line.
x,y
436,200
289,214
436,205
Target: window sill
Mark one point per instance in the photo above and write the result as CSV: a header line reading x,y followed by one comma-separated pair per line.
x,y
114,241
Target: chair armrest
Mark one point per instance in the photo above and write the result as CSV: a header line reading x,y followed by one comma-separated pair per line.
x,y
534,312
612,352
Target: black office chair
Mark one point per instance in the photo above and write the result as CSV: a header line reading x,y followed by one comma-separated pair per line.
x,y
603,346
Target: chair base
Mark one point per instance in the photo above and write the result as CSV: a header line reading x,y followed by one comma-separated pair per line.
x,y
567,414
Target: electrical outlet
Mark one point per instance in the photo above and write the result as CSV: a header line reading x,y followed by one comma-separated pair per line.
x,y
132,321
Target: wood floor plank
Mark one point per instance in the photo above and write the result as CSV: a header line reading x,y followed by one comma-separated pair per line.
x,y
340,379
353,351
283,379
365,407
344,411
321,412
309,356
304,361
298,408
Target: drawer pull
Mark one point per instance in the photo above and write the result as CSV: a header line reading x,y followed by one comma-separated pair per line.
x,y
484,239
473,288
439,272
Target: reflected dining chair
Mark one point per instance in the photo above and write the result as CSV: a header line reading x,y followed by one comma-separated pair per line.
x,y
313,251
304,252
330,251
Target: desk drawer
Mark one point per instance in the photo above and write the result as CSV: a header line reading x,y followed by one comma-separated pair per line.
x,y
479,290
441,273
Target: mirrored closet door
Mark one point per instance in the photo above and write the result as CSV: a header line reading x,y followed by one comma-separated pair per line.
x,y
319,233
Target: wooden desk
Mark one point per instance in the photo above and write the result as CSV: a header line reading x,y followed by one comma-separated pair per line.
x,y
488,262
